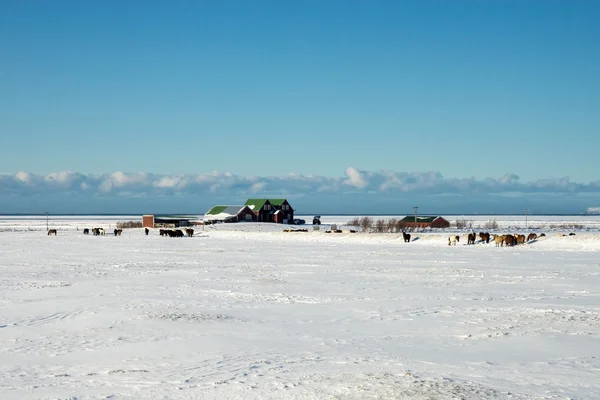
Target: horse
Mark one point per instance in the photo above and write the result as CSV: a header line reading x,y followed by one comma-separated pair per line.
x,y
86,231
484,236
146,230
519,239
452,240
531,236
51,232
406,237
189,232
510,240
471,238
118,232
499,240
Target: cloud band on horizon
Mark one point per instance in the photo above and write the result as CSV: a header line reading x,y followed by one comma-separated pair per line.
x,y
221,183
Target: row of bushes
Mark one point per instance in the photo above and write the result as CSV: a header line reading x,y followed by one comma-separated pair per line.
x,y
394,225
129,224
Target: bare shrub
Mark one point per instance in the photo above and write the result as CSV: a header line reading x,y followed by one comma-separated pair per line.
x,y
354,222
366,224
129,224
463,223
380,226
492,224
391,225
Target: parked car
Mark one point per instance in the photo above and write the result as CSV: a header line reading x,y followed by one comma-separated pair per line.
x,y
299,221
317,220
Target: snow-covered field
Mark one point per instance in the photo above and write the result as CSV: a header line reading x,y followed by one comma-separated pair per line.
x,y
246,311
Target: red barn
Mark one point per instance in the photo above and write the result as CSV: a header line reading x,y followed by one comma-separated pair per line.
x,y
424,221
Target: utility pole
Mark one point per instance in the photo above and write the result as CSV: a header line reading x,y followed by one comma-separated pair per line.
x,y
416,208
526,212
46,220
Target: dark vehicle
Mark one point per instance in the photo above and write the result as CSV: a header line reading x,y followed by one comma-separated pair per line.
x,y
317,220
299,221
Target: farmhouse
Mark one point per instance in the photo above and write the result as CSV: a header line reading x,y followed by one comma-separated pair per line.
x,y
229,214
166,221
424,221
272,210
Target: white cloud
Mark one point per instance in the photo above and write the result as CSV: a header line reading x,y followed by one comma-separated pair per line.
x,y
227,184
356,178
23,176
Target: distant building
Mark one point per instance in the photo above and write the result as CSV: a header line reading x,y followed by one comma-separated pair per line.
x,y
229,214
424,221
272,210
166,221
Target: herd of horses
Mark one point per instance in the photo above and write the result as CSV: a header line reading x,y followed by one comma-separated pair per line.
x,y
189,232
499,240
101,232
486,237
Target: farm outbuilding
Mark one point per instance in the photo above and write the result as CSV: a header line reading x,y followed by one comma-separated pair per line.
x,y
229,214
166,221
272,210
424,221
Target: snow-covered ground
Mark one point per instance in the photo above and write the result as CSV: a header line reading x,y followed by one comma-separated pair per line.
x,y
246,311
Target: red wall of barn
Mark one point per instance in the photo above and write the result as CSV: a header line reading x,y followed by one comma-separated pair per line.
x,y
148,221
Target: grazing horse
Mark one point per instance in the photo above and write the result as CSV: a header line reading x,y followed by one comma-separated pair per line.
x,y
406,237
510,240
499,240
471,238
484,236
98,231
146,230
519,239
189,232
452,240
118,232
51,232
531,236
86,231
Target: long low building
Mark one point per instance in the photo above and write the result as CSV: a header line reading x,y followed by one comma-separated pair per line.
x,y
424,221
229,214
167,221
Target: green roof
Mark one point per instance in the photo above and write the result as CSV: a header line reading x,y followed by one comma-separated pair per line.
x,y
277,202
257,203
420,218
216,210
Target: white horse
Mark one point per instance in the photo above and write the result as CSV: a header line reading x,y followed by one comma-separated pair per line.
x,y
452,240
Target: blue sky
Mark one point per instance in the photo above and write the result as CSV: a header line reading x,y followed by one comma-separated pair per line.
x,y
280,93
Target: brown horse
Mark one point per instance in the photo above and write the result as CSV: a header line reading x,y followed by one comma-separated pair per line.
x,y
531,236
189,232
509,240
519,239
51,232
471,238
484,236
